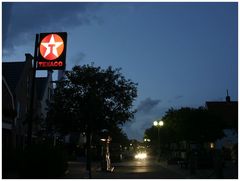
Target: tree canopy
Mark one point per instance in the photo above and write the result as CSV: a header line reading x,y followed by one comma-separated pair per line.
x,y
188,124
92,96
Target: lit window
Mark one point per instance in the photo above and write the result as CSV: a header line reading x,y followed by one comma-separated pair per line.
x,y
211,145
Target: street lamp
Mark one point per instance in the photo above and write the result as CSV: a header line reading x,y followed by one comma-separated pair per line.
x,y
146,140
161,123
158,124
155,123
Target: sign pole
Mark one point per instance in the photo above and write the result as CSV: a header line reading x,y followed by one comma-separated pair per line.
x,y
30,120
89,151
49,54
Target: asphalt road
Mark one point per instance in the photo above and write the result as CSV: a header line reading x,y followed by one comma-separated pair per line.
x,y
134,169
139,169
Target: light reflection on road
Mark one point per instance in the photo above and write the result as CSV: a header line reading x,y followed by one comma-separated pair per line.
x,y
142,165
137,166
149,168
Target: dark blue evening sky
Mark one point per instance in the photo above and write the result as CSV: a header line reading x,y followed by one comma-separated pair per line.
x,y
180,54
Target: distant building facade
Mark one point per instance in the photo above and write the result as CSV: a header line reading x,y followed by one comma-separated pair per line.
x,y
44,89
228,112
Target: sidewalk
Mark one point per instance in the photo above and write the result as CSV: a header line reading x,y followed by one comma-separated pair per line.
x,y
230,171
200,173
78,170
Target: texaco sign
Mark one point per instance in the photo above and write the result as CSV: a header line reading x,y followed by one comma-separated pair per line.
x,y
52,51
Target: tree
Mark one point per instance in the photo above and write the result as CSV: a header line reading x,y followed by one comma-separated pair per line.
x,y
191,124
92,97
187,124
118,136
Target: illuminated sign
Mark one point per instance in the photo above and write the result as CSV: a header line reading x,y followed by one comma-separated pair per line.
x,y
52,51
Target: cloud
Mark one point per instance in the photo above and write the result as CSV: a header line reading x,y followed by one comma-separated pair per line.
x,y
147,105
148,111
22,20
142,121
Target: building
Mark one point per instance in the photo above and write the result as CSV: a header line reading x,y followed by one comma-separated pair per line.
x,y
44,89
228,112
8,129
18,76
8,109
8,118
17,79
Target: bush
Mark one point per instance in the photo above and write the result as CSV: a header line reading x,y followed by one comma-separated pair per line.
x,y
43,161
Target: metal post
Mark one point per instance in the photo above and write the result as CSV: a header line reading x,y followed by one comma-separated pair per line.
x,y
30,119
89,153
158,142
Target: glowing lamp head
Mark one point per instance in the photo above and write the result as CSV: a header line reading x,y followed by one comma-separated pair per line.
x,y
161,123
155,123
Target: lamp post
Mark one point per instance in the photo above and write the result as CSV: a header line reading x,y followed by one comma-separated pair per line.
x,y
158,124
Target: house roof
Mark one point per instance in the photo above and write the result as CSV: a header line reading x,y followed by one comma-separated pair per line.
x,y
41,83
221,104
5,87
12,72
227,110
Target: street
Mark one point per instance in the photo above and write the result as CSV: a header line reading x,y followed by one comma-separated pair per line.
x,y
146,169
140,169
134,169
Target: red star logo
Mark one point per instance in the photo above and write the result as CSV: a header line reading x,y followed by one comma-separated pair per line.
x,y
51,46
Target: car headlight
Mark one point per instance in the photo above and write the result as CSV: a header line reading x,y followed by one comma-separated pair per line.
x,y
141,156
